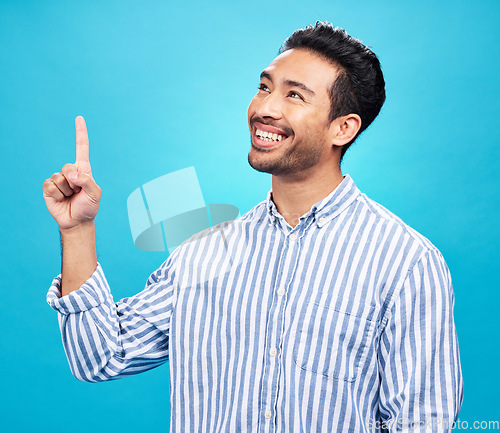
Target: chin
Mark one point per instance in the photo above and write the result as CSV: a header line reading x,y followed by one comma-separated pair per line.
x,y
259,165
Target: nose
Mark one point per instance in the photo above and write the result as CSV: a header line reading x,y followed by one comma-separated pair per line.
x,y
269,107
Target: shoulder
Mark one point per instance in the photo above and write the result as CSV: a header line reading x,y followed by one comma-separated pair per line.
x,y
418,269
394,223
212,237
257,213
402,248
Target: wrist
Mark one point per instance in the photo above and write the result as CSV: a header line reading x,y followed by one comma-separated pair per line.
x,y
81,229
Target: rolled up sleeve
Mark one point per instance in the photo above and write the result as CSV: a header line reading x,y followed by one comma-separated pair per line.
x,y
91,294
106,340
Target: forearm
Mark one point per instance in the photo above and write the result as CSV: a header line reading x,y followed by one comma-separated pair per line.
x,y
79,258
106,340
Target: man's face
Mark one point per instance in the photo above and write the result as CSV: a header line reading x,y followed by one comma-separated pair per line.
x,y
288,117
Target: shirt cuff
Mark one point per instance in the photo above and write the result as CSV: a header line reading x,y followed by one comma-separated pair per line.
x,y
92,293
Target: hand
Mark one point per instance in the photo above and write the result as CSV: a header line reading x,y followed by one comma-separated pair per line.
x,y
72,196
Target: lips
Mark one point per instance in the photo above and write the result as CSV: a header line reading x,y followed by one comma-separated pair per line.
x,y
267,136
268,128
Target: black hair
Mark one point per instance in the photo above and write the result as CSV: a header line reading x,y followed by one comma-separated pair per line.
x,y
359,87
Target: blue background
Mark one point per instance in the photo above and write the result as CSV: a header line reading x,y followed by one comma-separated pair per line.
x,y
165,85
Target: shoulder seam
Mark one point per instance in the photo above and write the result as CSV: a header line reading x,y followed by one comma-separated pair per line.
x,y
392,218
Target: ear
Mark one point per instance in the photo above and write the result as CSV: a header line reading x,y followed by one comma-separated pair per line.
x,y
344,128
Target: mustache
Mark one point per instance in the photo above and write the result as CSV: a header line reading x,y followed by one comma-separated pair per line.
x,y
285,129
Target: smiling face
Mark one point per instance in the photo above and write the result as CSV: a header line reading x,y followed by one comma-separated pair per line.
x,y
288,117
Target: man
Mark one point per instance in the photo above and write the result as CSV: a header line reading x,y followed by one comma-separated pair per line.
x,y
318,310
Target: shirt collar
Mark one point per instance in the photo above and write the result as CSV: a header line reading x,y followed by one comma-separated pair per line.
x,y
327,208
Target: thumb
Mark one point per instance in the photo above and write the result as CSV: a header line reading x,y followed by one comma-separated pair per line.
x,y
86,182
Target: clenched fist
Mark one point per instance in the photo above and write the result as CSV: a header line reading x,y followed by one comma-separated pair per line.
x,y
72,196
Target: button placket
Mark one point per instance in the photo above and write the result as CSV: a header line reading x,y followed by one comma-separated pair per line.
x,y
275,329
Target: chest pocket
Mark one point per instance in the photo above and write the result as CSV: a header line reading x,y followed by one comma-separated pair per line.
x,y
333,343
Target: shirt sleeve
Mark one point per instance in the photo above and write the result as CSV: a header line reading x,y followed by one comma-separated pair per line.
x,y
421,379
106,340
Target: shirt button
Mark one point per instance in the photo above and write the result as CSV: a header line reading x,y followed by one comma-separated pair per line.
x,y
281,292
273,352
321,220
268,414
292,236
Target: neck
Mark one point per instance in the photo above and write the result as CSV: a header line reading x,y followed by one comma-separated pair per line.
x,y
294,195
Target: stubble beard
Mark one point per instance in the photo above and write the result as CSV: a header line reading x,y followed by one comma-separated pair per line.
x,y
301,156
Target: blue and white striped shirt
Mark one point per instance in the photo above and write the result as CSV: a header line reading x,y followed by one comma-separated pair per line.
x,y
343,323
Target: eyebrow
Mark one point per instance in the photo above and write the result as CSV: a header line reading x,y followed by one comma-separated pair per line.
x,y
290,83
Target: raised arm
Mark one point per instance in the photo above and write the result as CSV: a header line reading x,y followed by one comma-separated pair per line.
x,y
72,198
103,339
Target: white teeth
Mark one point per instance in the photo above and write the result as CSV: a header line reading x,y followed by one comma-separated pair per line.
x,y
268,136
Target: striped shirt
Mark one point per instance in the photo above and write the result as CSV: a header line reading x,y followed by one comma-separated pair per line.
x,y
343,323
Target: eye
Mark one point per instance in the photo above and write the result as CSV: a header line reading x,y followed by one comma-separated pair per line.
x,y
263,87
295,95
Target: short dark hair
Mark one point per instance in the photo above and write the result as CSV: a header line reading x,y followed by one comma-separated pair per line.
x,y
360,86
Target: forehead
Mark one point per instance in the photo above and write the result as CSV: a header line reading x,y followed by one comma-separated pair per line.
x,y
305,67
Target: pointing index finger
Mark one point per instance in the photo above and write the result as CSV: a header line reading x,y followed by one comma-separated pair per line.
x,y
82,140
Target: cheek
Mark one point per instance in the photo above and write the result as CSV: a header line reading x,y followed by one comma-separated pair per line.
x,y
309,126
301,123
317,121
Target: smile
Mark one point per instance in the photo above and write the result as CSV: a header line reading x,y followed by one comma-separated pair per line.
x,y
268,136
